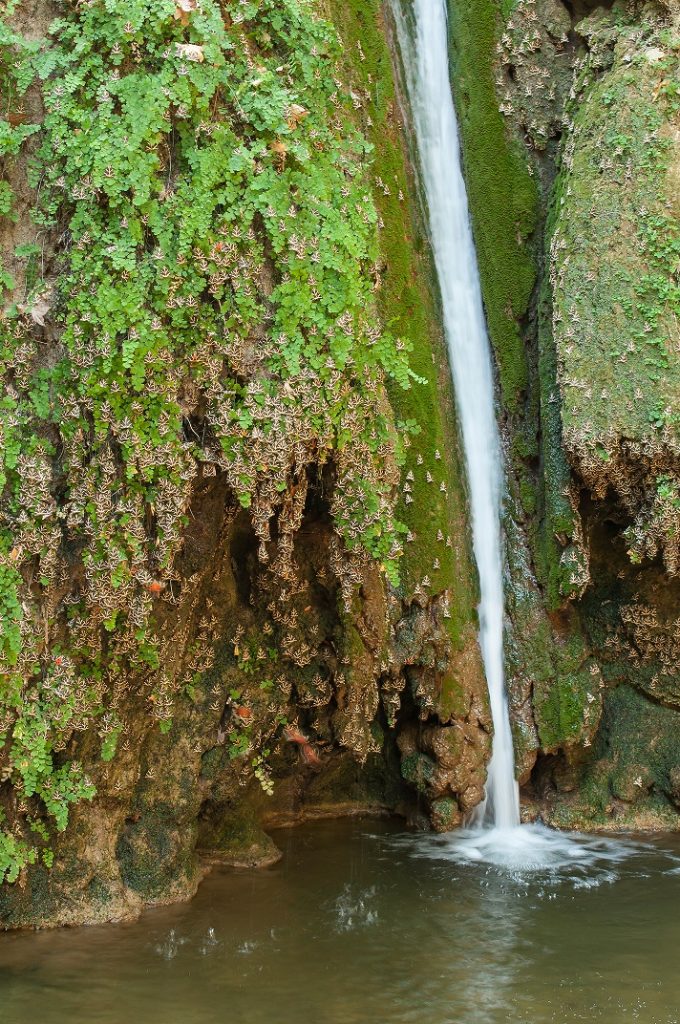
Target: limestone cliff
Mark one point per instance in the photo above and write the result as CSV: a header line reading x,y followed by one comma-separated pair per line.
x,y
235,576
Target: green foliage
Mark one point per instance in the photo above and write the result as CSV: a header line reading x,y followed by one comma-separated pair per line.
x,y
109,744
14,855
6,197
436,544
218,254
262,772
10,614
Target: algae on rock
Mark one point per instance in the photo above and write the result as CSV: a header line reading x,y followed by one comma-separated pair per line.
x,y
616,298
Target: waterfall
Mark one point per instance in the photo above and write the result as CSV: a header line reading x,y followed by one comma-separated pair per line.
x,y
422,36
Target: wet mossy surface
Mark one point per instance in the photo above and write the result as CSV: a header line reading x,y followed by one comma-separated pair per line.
x,y
616,245
503,195
154,854
629,778
563,696
439,551
233,835
614,254
418,769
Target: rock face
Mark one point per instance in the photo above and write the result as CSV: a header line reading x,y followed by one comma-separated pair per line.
x,y
615,315
235,576
588,93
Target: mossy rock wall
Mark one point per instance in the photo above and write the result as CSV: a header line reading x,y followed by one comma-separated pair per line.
x,y
502,191
616,300
229,586
580,109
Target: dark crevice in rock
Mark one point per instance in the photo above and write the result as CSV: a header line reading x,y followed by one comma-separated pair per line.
x,y
244,560
578,9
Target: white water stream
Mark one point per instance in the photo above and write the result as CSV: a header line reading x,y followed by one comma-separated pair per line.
x,y
495,834
422,36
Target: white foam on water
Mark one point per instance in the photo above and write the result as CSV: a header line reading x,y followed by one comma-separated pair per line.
x,y
534,852
531,848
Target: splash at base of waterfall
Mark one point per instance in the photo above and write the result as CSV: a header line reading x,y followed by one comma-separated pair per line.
x,y
529,849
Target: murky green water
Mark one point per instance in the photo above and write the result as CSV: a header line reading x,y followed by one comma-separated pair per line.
x,y
361,924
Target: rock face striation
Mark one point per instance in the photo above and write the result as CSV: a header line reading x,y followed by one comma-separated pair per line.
x,y
236,585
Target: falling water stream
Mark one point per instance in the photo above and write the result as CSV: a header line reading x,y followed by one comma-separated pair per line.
x,y
494,835
422,36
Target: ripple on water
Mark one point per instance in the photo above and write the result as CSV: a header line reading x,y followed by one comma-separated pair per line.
x,y
355,908
171,945
400,929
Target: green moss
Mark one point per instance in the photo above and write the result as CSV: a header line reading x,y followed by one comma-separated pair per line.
x,y
99,892
559,709
236,831
555,517
236,837
454,699
614,245
527,493
34,902
154,852
616,296
590,808
445,814
212,761
638,741
406,300
505,206
605,326
503,196
637,749
549,657
418,769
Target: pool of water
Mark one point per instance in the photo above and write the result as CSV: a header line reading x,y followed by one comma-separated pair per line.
x,y
362,923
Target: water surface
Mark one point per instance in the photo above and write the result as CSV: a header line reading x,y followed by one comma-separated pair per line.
x,y
361,923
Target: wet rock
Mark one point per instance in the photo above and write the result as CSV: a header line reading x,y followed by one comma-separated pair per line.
x,y
446,814
631,783
674,779
238,841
